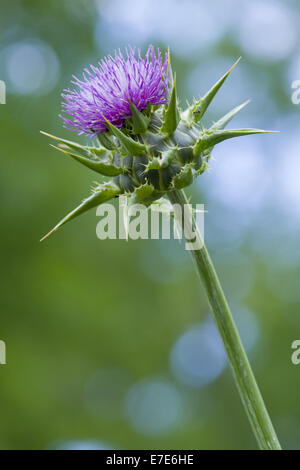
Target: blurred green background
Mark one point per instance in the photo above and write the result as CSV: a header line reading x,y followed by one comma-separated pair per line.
x,y
110,344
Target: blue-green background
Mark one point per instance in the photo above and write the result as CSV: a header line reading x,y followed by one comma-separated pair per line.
x,y
110,344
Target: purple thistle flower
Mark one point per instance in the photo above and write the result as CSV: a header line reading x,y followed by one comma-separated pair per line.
x,y
105,91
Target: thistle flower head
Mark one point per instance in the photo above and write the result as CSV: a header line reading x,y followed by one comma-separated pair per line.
x,y
146,145
105,91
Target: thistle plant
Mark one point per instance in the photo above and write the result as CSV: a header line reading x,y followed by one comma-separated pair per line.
x,y
145,147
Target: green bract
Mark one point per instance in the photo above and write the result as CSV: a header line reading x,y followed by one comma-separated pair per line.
x,y
159,150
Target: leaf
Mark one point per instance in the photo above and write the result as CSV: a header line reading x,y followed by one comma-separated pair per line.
x,y
221,123
184,178
171,116
142,194
201,106
103,193
105,141
140,122
104,167
129,145
209,140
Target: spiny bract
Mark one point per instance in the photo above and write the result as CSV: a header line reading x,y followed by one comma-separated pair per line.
x,y
145,144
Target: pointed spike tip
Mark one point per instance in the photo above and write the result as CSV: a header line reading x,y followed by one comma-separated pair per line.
x,y
169,56
59,148
200,107
58,139
84,150
233,66
270,132
208,141
49,135
170,75
48,234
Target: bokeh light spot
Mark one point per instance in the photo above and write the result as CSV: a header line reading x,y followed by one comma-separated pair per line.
x,y
82,445
154,406
198,356
32,67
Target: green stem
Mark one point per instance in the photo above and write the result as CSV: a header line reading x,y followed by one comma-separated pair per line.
x,y
245,380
